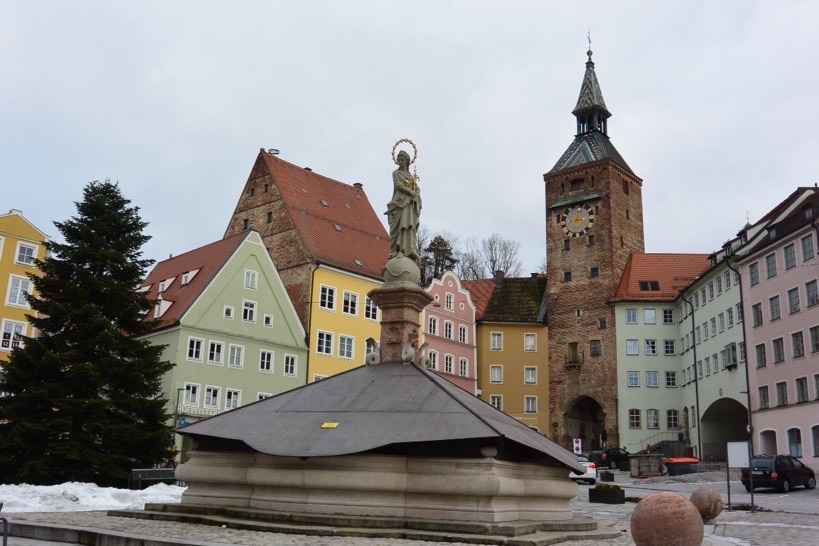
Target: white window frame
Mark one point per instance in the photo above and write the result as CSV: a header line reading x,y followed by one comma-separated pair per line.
x,y
263,395
633,378
496,374
229,312
449,302
463,335
233,399
291,365
433,360
530,342
652,379
249,311
346,347
530,375
220,353
463,367
449,330
530,404
191,397
631,316
236,352
212,396
23,287
267,361
251,279
652,418
449,364
20,246
496,341
324,343
11,329
370,309
432,326
496,401
194,351
651,347
671,380
649,316
268,320
632,347
349,304
327,297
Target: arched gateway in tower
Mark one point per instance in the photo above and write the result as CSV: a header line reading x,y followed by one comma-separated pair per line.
x,y
594,222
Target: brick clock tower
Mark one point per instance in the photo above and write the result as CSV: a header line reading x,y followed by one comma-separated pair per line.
x,y
594,222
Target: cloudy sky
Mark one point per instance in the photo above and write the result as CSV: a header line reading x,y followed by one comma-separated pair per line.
x,y
714,106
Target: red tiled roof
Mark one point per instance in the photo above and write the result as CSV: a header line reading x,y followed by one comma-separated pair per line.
x,y
208,260
481,292
672,272
335,221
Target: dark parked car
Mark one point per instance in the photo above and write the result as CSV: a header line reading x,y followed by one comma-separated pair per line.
x,y
611,457
782,472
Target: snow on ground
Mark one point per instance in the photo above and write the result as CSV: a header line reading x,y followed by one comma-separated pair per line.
x,y
76,497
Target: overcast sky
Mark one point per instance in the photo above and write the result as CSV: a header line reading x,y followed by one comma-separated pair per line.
x,y
714,106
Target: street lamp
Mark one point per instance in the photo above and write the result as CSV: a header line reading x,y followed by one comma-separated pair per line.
x,y
176,412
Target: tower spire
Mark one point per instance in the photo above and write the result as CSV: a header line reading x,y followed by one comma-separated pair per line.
x,y
591,111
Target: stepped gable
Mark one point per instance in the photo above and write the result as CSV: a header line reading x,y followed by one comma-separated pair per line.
x,y
335,221
659,277
517,299
203,263
386,408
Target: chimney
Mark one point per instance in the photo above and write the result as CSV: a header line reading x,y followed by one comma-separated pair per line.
x,y
358,185
499,277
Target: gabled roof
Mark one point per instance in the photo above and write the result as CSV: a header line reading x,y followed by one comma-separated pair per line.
x,y
335,221
391,406
589,148
481,292
517,299
659,277
23,229
801,208
205,262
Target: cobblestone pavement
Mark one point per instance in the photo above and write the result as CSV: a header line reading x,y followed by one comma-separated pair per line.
x,y
740,527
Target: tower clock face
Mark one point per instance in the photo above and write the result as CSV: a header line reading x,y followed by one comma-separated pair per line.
x,y
577,220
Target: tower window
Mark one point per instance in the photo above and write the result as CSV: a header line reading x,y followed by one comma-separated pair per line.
x,y
244,223
576,184
252,191
567,276
567,245
595,271
590,238
628,215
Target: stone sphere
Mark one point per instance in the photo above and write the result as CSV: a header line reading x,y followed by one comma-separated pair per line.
x,y
668,519
708,502
402,270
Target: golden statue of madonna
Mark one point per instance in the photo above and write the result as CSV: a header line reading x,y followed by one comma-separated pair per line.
x,y
404,209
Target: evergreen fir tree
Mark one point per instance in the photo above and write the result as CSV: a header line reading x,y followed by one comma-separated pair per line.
x,y
82,399
437,258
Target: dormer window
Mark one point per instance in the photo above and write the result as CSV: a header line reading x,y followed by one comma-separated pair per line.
x,y
649,286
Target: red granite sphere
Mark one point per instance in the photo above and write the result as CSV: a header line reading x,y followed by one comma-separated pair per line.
x,y
708,502
666,519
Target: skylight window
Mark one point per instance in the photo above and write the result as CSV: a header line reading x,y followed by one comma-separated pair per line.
x,y
324,203
338,228
649,286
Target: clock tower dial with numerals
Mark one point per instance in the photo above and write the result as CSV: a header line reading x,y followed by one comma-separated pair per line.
x,y
594,222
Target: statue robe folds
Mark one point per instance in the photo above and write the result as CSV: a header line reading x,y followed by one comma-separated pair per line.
x,y
403,215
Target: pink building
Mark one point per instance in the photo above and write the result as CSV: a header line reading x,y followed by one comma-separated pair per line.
x,y
780,283
449,329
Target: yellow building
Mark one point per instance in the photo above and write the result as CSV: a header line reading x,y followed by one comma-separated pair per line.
x,y
513,347
342,318
20,244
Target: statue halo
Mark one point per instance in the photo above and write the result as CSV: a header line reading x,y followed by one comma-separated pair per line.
x,y
414,150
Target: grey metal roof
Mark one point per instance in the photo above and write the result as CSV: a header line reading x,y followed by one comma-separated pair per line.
x,y
589,148
375,407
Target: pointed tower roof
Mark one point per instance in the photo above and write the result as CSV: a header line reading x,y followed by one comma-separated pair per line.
x,y
591,97
591,144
